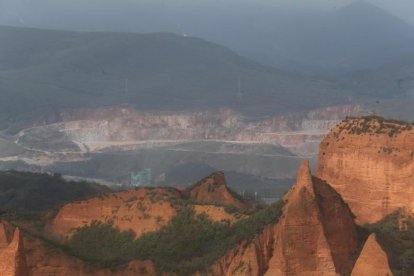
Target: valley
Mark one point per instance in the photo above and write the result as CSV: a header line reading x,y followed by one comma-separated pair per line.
x,y
177,147
313,229
206,138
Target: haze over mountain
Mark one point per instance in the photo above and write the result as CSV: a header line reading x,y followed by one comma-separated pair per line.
x,y
42,72
322,37
358,36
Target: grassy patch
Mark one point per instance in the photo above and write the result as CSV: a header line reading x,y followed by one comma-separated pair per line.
x,y
189,243
395,234
101,243
374,125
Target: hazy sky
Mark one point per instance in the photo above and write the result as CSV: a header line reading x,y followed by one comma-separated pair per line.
x,y
26,12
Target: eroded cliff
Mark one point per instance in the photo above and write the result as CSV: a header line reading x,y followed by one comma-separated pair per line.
x,y
370,162
213,189
249,258
316,235
13,257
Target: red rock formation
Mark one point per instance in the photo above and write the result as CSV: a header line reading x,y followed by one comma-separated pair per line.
x,y
213,189
370,163
249,258
372,260
142,211
339,226
301,245
316,235
13,257
6,232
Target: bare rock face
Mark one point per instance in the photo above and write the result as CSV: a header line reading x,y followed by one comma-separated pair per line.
x,y
372,260
301,245
13,257
339,226
249,258
213,189
370,163
316,235
6,234
141,210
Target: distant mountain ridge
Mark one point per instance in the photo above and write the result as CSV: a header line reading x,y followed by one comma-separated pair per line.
x,y
358,36
44,71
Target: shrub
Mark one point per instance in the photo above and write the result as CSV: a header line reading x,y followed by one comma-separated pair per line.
x,y
102,244
398,243
189,243
28,195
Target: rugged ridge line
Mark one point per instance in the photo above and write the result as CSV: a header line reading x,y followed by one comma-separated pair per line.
x,y
214,189
315,235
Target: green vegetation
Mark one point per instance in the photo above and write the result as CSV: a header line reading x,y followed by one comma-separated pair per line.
x,y
189,243
29,194
43,71
375,125
395,234
101,243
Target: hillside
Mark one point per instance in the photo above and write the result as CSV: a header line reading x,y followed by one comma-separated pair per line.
x,y
115,230
351,38
43,72
394,79
169,231
358,36
340,39
31,194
